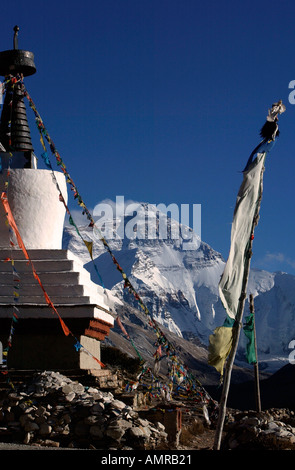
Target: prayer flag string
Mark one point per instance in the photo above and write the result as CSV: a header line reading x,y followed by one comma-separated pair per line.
x,y
88,244
21,245
15,274
177,368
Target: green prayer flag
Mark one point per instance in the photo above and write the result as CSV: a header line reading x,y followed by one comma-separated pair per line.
x,y
71,221
249,332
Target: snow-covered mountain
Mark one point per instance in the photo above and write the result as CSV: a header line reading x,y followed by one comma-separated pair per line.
x,y
178,280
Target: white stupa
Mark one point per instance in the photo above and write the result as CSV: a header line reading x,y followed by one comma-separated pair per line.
x,y
38,340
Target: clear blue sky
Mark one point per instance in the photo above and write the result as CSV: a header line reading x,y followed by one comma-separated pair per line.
x,y
162,101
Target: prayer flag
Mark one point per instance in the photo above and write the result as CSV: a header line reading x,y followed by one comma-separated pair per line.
x,y
89,246
220,344
246,214
249,333
233,282
244,221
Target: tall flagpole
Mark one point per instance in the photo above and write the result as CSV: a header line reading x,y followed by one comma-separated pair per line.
x,y
236,328
242,249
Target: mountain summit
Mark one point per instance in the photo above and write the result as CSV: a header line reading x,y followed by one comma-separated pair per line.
x,y
177,277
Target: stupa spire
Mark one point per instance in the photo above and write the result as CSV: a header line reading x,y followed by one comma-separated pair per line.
x,y
15,133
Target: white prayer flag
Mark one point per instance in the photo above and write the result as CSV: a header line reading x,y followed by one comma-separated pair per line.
x,y
244,221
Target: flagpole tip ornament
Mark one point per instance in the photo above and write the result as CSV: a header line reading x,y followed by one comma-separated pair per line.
x,y
270,129
15,41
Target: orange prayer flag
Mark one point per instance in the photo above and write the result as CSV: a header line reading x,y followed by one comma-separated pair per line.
x,y
12,223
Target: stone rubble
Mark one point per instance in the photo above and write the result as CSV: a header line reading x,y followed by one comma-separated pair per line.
x,y
52,410
273,429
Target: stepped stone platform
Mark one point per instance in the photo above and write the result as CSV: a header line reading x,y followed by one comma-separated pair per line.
x,y
38,339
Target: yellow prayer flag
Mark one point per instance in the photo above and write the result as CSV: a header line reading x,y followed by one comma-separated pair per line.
x,y
89,246
220,344
42,142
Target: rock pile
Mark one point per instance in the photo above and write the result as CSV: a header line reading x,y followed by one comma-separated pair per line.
x,y
53,410
273,429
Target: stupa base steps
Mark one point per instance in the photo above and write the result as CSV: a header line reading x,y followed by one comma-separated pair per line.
x,y
39,341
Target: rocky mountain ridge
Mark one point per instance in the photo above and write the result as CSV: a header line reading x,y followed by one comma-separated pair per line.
x,y
180,286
